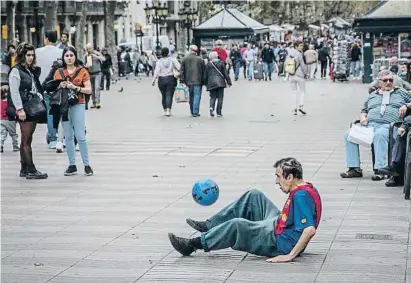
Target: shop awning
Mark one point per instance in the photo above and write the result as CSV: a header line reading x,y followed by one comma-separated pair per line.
x,y
229,22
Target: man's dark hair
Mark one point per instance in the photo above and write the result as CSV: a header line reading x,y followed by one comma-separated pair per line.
x,y
164,52
297,43
65,33
290,166
51,36
11,46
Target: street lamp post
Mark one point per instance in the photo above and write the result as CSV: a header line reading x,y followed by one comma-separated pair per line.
x,y
156,13
188,18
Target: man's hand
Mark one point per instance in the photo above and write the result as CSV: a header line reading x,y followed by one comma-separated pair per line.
x,y
403,110
280,259
401,132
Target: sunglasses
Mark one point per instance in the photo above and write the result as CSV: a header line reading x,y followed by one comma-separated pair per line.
x,y
387,80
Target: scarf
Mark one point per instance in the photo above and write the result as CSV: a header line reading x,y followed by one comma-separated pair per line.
x,y
385,101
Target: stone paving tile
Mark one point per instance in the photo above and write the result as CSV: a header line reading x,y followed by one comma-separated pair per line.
x,y
113,226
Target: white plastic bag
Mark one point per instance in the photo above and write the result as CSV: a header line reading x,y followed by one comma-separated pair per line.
x,y
111,72
361,135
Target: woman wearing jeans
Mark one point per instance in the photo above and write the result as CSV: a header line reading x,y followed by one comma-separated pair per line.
x,y
166,80
78,79
215,80
23,80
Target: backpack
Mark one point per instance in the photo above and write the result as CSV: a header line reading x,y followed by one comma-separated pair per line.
x,y
290,65
56,65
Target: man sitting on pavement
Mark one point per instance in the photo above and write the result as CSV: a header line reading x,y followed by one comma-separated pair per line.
x,y
397,166
382,107
254,224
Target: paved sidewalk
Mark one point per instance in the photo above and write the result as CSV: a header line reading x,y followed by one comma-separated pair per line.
x,y
113,227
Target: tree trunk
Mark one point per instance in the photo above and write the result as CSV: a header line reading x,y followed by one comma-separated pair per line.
x,y
109,16
80,29
51,15
11,21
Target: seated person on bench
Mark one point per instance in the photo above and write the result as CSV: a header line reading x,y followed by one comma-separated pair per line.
x,y
397,166
381,108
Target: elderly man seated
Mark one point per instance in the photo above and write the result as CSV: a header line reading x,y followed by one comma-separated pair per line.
x,y
397,166
382,107
398,82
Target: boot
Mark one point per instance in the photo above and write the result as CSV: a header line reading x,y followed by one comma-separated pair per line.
x,y
200,226
23,170
33,173
185,246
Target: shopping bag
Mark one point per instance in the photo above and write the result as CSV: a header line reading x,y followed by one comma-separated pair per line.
x,y
361,135
181,94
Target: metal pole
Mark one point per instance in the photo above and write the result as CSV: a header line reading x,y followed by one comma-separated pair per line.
x,y
188,36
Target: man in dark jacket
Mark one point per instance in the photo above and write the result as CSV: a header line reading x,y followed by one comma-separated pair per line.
x,y
323,56
268,56
105,69
236,58
282,55
191,74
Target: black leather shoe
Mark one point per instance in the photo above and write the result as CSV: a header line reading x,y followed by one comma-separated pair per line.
x,y
182,245
392,182
36,175
200,226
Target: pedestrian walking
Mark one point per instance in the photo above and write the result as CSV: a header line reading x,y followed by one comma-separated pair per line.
x,y
297,78
192,75
106,69
166,72
216,80
93,61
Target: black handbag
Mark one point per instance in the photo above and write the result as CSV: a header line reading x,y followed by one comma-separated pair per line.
x,y
34,106
10,110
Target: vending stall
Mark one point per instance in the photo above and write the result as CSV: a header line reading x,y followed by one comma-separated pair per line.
x,y
386,33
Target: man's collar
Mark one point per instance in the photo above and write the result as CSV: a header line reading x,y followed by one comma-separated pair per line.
x,y
379,91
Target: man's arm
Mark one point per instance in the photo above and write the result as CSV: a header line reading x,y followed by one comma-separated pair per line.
x,y
99,56
306,236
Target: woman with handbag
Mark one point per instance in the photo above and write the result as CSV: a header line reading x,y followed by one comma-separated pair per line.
x,y
167,70
215,80
77,80
26,105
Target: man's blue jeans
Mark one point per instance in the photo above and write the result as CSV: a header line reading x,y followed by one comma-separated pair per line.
x,y
352,151
76,126
195,98
246,225
250,70
268,69
51,131
237,65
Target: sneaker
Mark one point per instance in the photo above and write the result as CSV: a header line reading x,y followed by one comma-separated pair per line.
x,y
302,111
77,147
220,115
71,170
168,113
59,147
295,112
98,106
352,173
200,226
211,112
93,106
88,171
36,175
2,150
52,144
16,148
182,245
